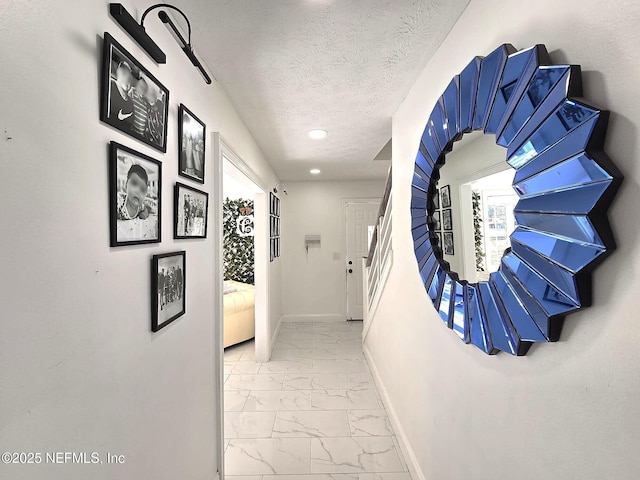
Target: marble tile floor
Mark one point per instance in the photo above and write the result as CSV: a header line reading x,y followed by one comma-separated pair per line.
x,y
312,413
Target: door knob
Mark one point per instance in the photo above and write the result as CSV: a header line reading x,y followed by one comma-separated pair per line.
x,y
350,270
350,262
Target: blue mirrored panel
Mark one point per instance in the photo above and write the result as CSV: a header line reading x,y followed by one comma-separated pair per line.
x,y
547,325
575,172
424,258
423,166
419,181
561,279
438,121
422,250
452,107
574,227
428,270
575,201
524,325
564,181
446,298
545,79
478,329
435,288
468,88
490,74
459,321
430,142
420,236
573,144
502,335
570,254
513,72
563,120
553,102
552,300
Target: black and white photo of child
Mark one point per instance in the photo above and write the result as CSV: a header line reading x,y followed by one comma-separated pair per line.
x,y
136,197
135,102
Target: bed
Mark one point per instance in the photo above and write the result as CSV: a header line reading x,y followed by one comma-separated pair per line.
x,y
239,312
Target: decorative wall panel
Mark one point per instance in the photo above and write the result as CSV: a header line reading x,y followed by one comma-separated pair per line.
x,y
565,182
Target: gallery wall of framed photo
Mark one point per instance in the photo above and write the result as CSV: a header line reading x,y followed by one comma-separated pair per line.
x,y
274,226
136,103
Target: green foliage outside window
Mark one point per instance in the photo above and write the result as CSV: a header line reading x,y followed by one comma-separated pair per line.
x,y
477,231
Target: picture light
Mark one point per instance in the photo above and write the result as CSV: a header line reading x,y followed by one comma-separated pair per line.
x,y
139,34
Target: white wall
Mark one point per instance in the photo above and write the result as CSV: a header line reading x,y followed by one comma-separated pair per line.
x,y
314,284
80,369
567,410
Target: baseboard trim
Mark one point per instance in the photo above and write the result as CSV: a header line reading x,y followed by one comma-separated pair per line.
x,y
317,317
275,337
409,455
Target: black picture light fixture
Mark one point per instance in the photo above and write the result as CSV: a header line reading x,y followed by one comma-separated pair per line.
x,y
139,34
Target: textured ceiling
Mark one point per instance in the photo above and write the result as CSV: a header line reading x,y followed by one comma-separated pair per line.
x,y
343,65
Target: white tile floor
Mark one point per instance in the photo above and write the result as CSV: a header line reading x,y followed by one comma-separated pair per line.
x,y
312,413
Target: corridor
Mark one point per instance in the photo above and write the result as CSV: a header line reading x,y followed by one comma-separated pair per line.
x,y
312,413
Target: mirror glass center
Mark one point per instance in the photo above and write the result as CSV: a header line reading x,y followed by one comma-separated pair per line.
x,y
475,214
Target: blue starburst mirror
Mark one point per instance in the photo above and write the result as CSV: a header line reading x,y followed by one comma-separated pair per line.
x,y
565,184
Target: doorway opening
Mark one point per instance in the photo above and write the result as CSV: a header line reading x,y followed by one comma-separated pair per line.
x,y
361,218
487,223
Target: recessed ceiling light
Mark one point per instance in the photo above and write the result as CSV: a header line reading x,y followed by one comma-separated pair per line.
x,y
318,134
314,171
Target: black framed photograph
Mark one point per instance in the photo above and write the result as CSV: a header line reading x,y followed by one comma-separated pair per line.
x,y
272,203
135,192
447,238
436,221
436,199
445,196
168,288
277,252
277,209
190,212
272,226
447,223
272,249
191,144
133,101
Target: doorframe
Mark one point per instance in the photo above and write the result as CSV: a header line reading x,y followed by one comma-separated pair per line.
x,y
221,150
345,203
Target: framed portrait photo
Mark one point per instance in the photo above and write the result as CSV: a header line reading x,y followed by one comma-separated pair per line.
x,y
191,209
272,249
191,144
168,288
272,203
447,238
133,101
445,196
447,222
277,212
135,188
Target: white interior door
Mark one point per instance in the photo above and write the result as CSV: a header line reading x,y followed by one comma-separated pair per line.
x,y
361,216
